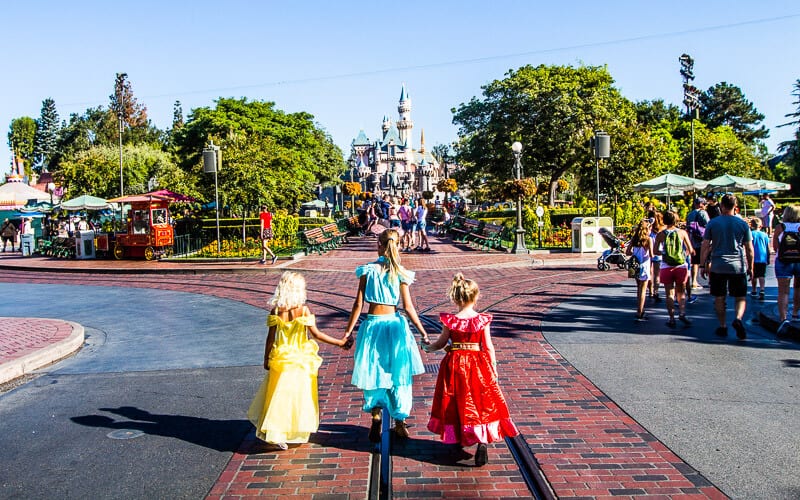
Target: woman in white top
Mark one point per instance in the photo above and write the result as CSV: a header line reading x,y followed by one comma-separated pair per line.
x,y
641,248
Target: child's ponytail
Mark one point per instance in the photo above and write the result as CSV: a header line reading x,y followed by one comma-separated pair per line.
x,y
390,241
463,291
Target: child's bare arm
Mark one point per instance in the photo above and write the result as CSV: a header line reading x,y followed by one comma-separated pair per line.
x,y
358,304
268,346
439,342
324,337
411,311
489,346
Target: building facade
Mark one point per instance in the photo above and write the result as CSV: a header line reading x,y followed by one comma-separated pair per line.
x,y
391,164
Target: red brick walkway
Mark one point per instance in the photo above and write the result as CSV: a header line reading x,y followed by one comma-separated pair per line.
x,y
586,445
22,336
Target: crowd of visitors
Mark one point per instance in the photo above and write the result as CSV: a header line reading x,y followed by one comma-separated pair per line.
x,y
717,243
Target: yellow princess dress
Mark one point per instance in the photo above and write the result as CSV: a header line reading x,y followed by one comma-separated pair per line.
x,y
285,408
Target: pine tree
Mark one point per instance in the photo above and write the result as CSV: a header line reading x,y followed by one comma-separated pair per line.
x,y
124,103
46,140
177,116
725,104
791,148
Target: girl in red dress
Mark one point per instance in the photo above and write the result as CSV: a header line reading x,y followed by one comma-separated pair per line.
x,y
468,406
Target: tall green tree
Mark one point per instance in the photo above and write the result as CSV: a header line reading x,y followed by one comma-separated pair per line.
x,y
95,171
791,148
657,113
46,140
137,128
726,104
720,151
21,140
95,127
294,156
552,110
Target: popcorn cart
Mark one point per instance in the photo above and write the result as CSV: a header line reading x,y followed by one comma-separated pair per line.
x,y
149,232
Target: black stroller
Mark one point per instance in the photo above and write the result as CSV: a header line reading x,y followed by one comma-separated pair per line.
x,y
615,253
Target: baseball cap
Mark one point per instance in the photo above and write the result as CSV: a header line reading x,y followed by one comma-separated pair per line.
x,y
699,200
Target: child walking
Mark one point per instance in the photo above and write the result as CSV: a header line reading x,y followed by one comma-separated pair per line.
x,y
285,408
761,245
468,406
641,248
386,357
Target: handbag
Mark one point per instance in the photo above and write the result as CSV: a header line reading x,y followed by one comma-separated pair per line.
x,y
633,267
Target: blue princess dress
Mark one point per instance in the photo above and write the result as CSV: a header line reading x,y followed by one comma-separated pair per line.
x,y
386,357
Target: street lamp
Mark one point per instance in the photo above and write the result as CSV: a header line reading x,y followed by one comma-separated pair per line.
x,y
212,160
519,241
602,149
691,96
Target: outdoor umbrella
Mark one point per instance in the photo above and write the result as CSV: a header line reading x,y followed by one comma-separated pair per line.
x,y
728,182
85,202
671,181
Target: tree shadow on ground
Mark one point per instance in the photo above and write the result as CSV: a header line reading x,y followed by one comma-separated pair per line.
x,y
220,435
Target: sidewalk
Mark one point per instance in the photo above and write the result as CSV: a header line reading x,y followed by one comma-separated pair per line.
x,y
27,344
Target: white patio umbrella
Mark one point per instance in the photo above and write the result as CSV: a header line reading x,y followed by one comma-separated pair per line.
x,y
85,202
669,192
733,183
674,181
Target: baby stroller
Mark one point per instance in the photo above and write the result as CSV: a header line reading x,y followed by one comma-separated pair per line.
x,y
615,253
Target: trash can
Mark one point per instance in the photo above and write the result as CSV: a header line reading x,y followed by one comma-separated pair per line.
x,y
585,234
28,244
84,245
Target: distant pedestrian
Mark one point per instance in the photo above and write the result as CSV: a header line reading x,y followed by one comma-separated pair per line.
x,y
386,356
696,222
8,231
786,243
656,225
286,408
673,244
641,249
422,222
727,256
266,235
767,212
761,246
405,212
468,406
712,207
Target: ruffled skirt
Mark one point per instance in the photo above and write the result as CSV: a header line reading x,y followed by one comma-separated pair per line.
x,y
468,406
386,360
285,408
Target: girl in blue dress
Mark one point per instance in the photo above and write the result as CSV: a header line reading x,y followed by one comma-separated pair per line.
x,y
386,355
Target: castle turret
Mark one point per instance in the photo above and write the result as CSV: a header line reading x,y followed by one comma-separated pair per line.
x,y
404,123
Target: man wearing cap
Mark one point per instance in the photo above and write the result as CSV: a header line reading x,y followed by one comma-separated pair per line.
x,y
700,217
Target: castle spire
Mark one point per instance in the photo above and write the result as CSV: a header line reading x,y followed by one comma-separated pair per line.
x,y
422,141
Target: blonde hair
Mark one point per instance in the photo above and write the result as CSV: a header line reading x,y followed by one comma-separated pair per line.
x,y
755,223
389,240
463,291
641,233
290,292
791,213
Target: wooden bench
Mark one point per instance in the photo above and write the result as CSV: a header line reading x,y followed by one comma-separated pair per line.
x,y
316,241
490,236
332,230
463,231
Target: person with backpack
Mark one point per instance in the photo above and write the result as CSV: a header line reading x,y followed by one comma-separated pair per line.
x,y
786,243
696,222
727,257
673,244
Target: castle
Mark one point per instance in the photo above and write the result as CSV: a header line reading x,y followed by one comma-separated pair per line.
x,y
391,164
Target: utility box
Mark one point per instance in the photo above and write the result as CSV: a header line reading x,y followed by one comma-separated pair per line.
x,y
84,245
586,236
28,244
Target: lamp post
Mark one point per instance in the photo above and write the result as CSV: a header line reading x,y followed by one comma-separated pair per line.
x,y
691,96
519,241
212,160
602,149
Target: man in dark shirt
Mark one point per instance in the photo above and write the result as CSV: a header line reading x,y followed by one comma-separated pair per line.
x,y
712,207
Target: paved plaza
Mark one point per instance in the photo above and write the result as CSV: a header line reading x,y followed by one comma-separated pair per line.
x,y
153,403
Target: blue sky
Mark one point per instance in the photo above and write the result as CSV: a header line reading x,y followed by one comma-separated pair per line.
x,y
344,62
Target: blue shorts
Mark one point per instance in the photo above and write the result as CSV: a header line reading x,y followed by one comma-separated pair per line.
x,y
421,225
407,225
790,270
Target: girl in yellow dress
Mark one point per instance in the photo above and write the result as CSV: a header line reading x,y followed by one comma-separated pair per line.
x,y
285,408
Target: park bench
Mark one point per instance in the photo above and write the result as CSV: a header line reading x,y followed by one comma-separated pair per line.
x,y
337,236
463,231
490,236
316,241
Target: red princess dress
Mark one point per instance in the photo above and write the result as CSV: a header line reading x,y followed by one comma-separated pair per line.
x,y
468,406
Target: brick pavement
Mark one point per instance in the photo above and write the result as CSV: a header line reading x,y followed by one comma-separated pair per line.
x,y
27,344
586,445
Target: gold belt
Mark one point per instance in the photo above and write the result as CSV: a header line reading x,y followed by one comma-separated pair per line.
x,y
465,346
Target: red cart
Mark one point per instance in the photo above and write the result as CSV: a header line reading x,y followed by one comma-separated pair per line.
x,y
149,232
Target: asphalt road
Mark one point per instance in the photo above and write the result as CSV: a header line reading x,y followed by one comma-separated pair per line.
x,y
731,409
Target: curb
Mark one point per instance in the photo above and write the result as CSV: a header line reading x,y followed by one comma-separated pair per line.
x,y
44,356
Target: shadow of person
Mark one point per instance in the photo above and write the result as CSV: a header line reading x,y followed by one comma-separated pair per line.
x,y
219,435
